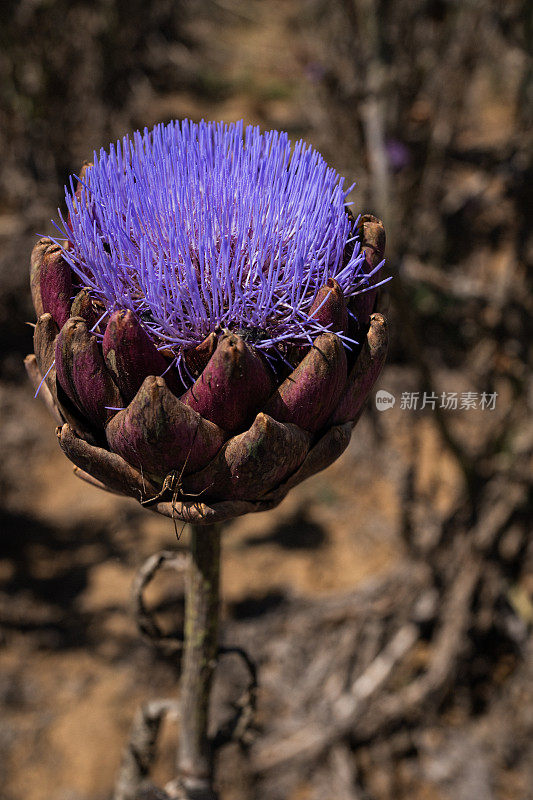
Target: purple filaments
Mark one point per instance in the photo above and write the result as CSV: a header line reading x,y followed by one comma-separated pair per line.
x,y
194,226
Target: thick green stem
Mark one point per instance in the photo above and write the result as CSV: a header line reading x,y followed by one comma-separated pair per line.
x,y
195,757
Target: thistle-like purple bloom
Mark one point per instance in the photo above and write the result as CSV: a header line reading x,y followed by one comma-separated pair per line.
x,y
194,331
198,226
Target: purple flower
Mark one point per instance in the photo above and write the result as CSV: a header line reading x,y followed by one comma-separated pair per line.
x,y
198,226
197,331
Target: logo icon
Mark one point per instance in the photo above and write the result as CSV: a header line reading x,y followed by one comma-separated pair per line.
x,y
384,400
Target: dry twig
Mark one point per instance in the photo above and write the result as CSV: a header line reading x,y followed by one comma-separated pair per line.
x,y
146,622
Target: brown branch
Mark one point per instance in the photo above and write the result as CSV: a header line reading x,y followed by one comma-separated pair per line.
x,y
237,728
140,751
146,622
309,741
337,777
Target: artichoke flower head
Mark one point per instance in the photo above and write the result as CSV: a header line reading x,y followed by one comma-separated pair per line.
x,y
205,335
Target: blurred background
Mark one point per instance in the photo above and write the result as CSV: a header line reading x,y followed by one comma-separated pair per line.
x,y
388,602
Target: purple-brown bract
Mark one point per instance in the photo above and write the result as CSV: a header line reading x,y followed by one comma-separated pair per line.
x,y
208,311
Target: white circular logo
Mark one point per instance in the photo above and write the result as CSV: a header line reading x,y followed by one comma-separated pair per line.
x,y
384,400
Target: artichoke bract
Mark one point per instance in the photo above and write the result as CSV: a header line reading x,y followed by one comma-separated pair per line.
x,y
206,335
